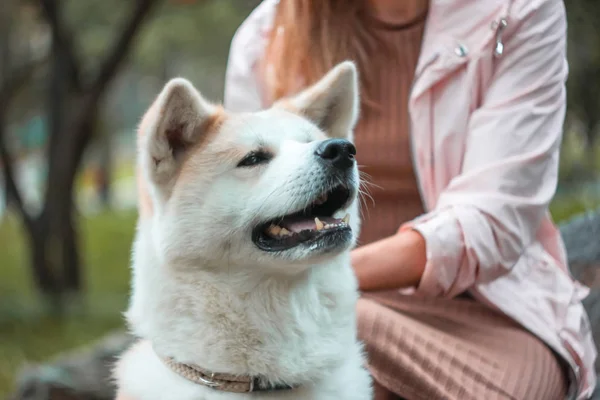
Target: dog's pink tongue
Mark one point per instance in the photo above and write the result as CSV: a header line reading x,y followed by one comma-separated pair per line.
x,y
299,224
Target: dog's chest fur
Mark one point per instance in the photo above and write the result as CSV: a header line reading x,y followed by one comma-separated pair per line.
x,y
297,330
149,379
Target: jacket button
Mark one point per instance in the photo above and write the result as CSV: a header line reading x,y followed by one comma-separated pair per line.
x,y
461,50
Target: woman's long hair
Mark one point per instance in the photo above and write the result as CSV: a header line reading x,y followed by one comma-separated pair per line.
x,y
309,37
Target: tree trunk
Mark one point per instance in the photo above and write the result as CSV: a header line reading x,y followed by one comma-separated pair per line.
x,y
103,173
44,275
58,218
56,252
55,260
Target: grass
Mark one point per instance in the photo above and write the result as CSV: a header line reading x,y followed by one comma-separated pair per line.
x,y
566,206
26,335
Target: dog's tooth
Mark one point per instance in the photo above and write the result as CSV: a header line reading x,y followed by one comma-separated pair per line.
x,y
346,219
284,232
274,229
319,224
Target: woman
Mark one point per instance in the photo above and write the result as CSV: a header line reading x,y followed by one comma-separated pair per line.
x,y
462,111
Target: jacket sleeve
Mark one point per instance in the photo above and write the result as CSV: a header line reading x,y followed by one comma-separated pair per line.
x,y
489,214
243,88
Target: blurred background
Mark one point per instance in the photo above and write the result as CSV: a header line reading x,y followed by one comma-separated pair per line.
x,y
75,78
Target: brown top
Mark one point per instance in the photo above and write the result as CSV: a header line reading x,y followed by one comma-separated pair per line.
x,y
382,134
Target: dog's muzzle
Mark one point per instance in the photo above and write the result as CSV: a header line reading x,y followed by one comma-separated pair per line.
x,y
223,382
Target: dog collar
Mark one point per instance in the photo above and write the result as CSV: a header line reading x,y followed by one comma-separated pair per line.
x,y
222,382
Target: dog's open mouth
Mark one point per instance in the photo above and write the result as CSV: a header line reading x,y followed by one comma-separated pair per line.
x,y
313,224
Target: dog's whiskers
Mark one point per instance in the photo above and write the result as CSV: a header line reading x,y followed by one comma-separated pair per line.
x,y
364,193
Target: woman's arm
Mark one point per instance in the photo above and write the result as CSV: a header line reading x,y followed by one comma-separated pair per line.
x,y
491,212
394,262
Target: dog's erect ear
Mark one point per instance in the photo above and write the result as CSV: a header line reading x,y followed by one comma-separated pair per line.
x,y
333,102
178,121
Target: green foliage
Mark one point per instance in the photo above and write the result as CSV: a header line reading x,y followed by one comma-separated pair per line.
x,y
198,31
94,26
564,207
191,41
579,162
583,85
26,335
583,30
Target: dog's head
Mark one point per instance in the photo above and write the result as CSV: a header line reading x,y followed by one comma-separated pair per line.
x,y
252,188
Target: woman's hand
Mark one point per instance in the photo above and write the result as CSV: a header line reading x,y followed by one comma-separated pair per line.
x,y
395,262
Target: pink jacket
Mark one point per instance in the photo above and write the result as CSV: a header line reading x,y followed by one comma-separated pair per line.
x,y
487,109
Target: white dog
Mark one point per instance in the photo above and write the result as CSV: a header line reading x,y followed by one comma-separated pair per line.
x,y
242,284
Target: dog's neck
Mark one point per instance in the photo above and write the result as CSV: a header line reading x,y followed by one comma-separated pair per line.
x,y
230,321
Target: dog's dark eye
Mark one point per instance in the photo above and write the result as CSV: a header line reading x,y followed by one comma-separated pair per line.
x,y
255,158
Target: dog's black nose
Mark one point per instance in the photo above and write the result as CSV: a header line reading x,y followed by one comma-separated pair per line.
x,y
338,152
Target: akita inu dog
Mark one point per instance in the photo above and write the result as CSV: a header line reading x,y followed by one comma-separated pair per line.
x,y
242,284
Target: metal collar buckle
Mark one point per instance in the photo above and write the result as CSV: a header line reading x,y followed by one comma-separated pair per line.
x,y
209,382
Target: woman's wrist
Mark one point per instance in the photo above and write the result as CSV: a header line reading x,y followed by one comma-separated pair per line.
x,y
395,262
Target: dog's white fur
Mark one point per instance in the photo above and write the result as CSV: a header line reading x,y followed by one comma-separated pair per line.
x,y
203,293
